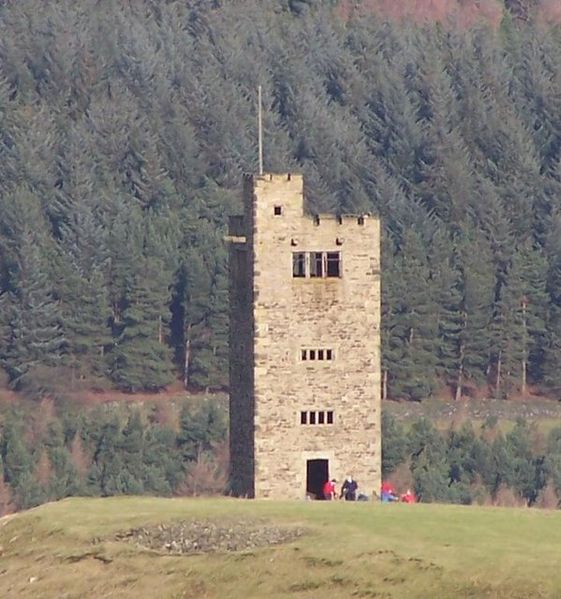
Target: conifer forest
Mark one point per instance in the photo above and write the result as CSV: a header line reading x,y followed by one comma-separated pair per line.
x,y
126,125
125,128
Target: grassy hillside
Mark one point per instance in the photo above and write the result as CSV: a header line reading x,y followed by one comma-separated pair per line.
x,y
68,549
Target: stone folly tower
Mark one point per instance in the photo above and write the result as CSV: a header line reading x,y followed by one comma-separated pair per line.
x,y
304,345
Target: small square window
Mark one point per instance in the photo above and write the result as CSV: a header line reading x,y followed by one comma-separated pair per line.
x,y
303,418
277,210
312,417
321,417
330,417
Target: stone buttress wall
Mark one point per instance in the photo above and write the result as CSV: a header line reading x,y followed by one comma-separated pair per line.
x,y
241,351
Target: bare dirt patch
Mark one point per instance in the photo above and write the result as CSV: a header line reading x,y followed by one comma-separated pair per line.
x,y
208,536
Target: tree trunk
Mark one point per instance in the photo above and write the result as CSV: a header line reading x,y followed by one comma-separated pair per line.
x,y
460,379
524,348
498,379
160,331
187,356
459,384
385,384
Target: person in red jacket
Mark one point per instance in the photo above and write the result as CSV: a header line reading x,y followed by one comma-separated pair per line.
x,y
329,492
388,494
407,497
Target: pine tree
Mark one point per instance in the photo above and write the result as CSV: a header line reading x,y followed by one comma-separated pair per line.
x,y
17,459
6,496
412,340
105,476
478,288
87,323
200,298
84,293
141,359
523,309
134,473
449,295
551,365
36,345
19,466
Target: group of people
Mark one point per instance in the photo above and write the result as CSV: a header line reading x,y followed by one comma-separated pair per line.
x,y
349,492
388,494
348,489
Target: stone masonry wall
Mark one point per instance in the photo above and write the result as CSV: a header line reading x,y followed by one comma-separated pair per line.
x,y
290,314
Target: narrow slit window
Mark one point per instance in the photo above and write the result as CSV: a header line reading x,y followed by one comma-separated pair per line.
x,y
320,354
333,264
316,264
329,354
330,417
299,264
321,417
312,354
312,417
304,354
303,417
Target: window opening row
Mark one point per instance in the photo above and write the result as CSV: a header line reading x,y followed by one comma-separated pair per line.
x,y
317,354
316,264
316,417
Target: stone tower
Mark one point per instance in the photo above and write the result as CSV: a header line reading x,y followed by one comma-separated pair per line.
x,y
304,344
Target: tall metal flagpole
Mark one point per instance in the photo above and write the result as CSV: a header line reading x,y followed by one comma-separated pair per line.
x,y
260,130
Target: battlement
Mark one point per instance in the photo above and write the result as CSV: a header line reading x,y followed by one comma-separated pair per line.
x,y
274,177
280,196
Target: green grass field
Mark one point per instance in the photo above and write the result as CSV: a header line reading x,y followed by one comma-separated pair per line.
x,y
67,550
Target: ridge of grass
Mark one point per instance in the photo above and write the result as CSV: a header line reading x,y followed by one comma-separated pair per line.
x,y
67,550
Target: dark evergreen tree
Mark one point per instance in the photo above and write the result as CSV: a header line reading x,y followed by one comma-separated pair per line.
x,y
394,448
523,308
478,288
412,339
141,359
36,344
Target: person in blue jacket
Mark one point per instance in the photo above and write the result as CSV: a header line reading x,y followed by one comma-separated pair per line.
x,y
349,488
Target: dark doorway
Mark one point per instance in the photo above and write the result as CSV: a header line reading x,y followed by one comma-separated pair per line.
x,y
317,473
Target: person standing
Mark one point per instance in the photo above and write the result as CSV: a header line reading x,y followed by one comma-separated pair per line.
x,y
329,491
349,488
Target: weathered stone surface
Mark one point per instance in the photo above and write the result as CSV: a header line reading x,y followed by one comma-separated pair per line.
x,y
274,316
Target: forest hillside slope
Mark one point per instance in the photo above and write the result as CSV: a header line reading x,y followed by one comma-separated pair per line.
x,y
124,132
